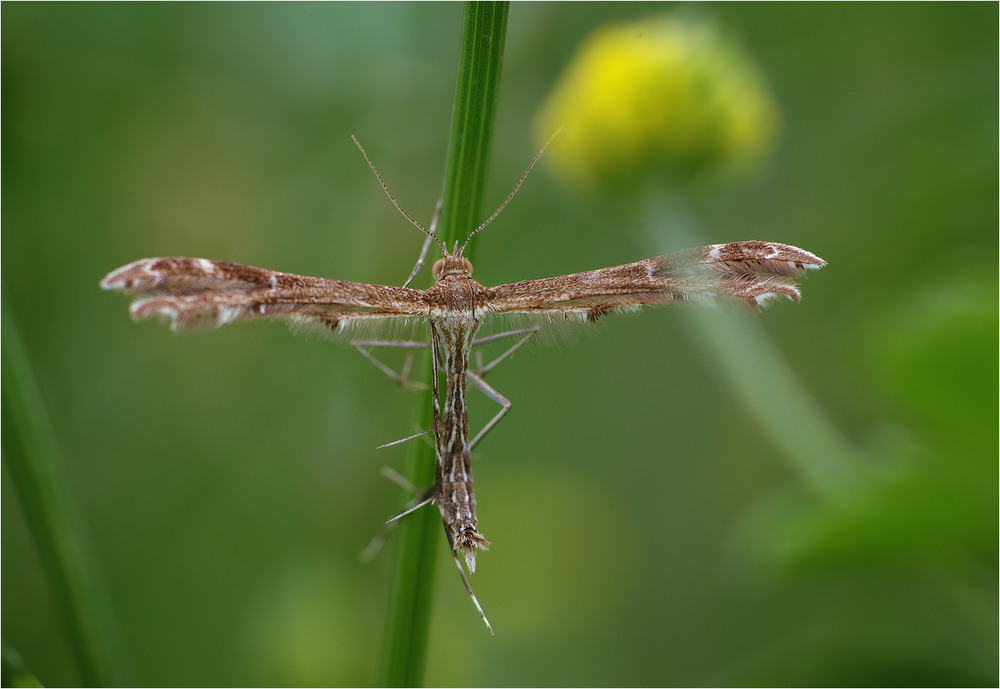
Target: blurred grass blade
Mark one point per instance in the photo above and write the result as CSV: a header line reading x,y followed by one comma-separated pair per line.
x,y
404,655
31,455
15,673
742,355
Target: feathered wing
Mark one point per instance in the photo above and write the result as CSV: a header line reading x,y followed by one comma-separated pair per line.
x,y
754,273
193,292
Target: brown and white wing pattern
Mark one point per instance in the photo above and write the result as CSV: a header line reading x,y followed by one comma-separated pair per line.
x,y
754,273
193,292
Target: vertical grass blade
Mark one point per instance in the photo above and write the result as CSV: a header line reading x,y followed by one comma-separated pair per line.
x,y
476,93
32,457
408,619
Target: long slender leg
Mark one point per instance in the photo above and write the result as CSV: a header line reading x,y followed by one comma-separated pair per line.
x,y
403,344
375,545
420,259
490,392
427,245
403,440
504,335
527,332
400,480
379,539
486,388
400,378
465,580
425,499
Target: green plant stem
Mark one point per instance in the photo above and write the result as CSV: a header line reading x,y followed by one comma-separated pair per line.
x,y
32,457
408,617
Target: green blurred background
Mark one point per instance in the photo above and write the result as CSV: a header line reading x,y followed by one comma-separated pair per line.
x,y
645,531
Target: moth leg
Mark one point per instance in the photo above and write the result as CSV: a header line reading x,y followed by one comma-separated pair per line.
x,y
507,333
465,580
403,440
379,539
490,392
427,496
425,499
400,480
427,245
527,332
400,378
486,388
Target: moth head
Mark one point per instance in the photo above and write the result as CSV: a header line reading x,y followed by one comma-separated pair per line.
x,y
451,265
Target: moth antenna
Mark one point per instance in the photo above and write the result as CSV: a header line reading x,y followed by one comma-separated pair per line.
x,y
511,196
394,202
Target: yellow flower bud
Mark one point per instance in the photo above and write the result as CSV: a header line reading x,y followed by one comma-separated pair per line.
x,y
664,97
